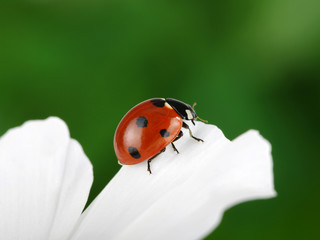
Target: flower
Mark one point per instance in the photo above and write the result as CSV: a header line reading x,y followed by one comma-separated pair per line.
x,y
45,179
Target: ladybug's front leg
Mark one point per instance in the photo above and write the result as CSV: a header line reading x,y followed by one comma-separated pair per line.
x,y
186,126
150,159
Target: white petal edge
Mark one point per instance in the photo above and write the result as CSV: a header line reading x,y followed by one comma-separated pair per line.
x,y
45,179
186,195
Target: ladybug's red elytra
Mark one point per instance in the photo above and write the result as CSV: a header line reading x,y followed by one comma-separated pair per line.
x,y
146,130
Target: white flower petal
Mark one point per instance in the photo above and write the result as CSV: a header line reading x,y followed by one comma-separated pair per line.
x,y
45,179
186,195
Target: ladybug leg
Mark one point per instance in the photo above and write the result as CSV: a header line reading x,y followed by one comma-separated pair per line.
x,y
174,148
186,126
177,137
149,161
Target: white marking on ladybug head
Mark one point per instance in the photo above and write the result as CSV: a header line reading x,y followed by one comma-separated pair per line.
x,y
167,105
189,114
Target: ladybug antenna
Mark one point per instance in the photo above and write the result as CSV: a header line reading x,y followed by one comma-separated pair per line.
x,y
202,120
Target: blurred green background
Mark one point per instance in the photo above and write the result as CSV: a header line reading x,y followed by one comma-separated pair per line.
x,y
248,64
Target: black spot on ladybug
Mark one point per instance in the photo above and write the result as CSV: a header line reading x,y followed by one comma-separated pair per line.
x,y
158,102
164,133
142,122
134,152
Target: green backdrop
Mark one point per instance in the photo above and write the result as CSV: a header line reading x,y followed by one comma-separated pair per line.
x,y
248,64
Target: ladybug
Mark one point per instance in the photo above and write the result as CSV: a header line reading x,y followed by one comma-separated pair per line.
x,y
146,130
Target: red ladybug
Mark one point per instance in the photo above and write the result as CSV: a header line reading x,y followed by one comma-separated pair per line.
x,y
146,130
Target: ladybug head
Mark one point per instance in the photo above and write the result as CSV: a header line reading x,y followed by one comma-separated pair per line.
x,y
184,110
